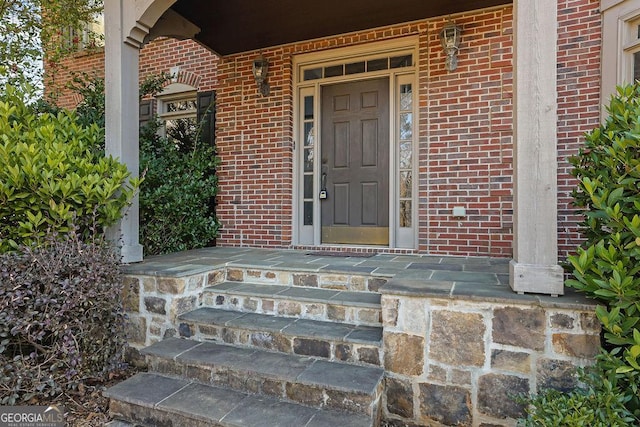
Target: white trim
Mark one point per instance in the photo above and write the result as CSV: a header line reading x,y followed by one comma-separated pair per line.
x,y
406,45
405,237
341,55
171,93
177,90
616,64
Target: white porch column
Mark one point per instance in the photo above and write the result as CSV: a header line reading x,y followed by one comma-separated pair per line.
x,y
535,265
121,81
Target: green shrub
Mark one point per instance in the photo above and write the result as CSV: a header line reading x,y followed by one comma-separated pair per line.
x,y
52,176
595,404
608,266
178,193
177,196
61,321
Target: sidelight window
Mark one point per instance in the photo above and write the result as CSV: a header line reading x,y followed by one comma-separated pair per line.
x,y
405,154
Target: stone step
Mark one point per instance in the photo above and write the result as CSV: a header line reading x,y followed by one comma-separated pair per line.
x,y
305,380
329,340
358,308
152,400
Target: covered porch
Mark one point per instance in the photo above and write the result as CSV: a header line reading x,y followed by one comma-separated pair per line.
x,y
228,30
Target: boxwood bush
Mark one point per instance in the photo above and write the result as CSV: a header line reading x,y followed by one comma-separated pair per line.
x,y
51,174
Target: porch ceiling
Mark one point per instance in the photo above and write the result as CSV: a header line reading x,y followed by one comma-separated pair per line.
x,y
230,27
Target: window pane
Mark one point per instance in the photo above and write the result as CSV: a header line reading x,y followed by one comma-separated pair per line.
x,y
401,61
405,184
355,68
309,136
181,132
405,155
406,125
308,186
180,105
308,160
405,213
333,71
313,74
406,97
308,107
636,66
308,213
378,64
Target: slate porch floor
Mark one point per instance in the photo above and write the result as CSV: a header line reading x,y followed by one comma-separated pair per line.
x,y
471,278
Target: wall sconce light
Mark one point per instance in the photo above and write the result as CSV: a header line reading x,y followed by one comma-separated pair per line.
x,y
260,73
450,38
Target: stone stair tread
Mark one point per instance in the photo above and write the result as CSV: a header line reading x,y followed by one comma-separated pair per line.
x,y
330,296
221,407
286,325
290,367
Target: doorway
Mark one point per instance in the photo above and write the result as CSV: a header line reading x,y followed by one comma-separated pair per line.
x,y
355,163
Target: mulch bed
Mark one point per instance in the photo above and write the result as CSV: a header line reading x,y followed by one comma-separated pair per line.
x,y
87,407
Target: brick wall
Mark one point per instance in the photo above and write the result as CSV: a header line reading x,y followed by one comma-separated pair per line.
x,y
579,41
465,127
58,75
466,146
464,139
197,67
254,140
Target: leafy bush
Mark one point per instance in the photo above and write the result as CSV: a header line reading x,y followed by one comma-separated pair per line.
x,y
607,268
51,174
596,404
61,321
177,196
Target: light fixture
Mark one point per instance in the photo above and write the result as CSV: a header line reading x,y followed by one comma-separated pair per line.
x,y
260,73
450,38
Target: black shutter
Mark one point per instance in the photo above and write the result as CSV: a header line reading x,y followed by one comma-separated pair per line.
x,y
207,116
146,111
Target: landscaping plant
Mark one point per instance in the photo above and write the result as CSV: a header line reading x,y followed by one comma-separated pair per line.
x,y
51,175
607,266
61,322
177,196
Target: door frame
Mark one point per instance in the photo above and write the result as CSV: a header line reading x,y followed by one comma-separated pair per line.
x,y
310,235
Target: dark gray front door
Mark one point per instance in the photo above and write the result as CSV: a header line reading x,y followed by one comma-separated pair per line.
x,y
355,162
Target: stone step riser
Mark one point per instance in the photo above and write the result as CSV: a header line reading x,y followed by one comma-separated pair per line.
x,y
153,400
334,350
322,280
294,308
314,396
145,416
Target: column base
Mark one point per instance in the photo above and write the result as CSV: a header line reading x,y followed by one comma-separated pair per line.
x,y
536,279
131,253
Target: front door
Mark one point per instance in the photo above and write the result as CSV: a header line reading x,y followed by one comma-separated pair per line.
x,y
355,163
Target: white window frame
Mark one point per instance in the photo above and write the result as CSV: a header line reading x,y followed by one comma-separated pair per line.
x,y
176,92
620,21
